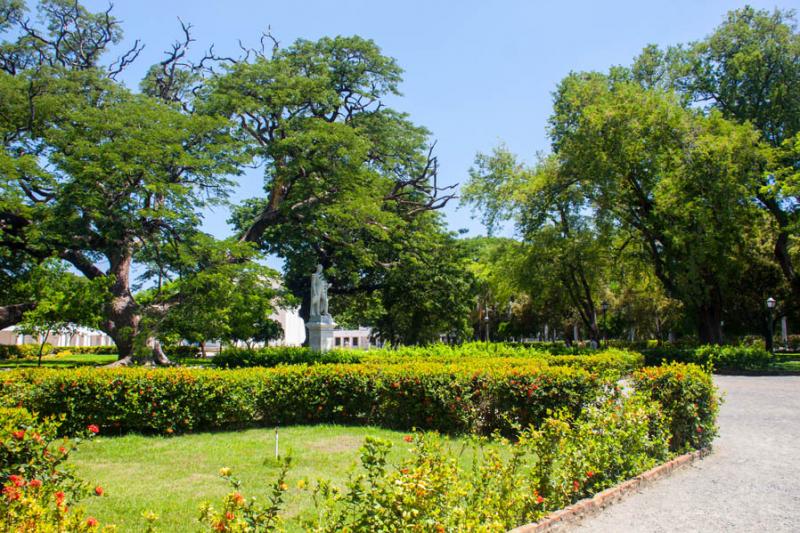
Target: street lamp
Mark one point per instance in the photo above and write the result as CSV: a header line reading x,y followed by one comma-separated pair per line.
x,y
486,320
604,307
771,303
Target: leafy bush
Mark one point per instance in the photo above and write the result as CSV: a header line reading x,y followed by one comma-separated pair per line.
x,y
446,397
688,398
38,487
281,355
179,350
719,357
22,351
87,350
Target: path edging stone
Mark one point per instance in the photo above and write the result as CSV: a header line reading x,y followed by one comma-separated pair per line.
x,y
591,506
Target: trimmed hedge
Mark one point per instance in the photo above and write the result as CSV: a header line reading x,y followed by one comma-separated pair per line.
x,y
448,398
22,351
726,358
87,350
619,361
688,398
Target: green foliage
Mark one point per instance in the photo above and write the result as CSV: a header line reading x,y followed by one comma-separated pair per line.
x,y
725,358
688,399
38,484
94,350
281,355
447,397
22,351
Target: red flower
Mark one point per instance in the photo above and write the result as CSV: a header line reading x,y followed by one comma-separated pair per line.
x,y
98,490
91,521
12,493
408,438
576,485
590,473
60,498
229,515
699,429
35,483
18,481
19,435
93,428
62,450
238,498
539,499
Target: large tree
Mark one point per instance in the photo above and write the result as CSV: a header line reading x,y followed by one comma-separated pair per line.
x,y
93,174
345,176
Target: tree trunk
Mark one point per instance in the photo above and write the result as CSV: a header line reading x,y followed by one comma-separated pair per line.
x,y
123,314
709,327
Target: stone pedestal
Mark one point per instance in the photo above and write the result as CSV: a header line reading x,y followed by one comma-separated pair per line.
x,y
320,333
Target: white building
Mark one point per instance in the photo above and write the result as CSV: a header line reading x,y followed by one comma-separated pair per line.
x,y
79,337
352,338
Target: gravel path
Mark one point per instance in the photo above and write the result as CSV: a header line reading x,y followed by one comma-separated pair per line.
x,y
751,482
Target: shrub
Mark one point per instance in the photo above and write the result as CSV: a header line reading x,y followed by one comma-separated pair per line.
x,y
281,355
22,351
719,357
446,397
38,487
179,350
87,350
688,398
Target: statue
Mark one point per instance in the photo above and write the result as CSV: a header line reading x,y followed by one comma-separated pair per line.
x,y
319,295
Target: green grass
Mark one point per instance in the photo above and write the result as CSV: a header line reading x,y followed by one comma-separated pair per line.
x,y
172,476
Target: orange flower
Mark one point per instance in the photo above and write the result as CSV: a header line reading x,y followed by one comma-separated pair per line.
x,y
18,481
98,490
590,473
238,498
60,498
229,515
91,521
11,492
19,434
408,438
576,485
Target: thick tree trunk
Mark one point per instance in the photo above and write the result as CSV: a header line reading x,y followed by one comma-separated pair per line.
x,y
11,315
123,314
709,323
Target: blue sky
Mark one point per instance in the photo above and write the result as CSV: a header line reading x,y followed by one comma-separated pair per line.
x,y
476,73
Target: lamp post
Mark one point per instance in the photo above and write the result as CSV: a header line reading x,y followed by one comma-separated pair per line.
x,y
486,320
604,307
771,303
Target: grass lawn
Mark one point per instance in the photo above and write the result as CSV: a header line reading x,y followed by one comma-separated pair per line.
x,y
172,476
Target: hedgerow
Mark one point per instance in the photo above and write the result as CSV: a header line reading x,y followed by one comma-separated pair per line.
x,y
22,351
447,397
688,399
725,358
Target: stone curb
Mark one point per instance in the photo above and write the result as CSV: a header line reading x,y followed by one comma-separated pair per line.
x,y
591,506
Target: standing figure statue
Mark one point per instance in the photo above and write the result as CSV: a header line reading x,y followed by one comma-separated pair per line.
x,y
319,294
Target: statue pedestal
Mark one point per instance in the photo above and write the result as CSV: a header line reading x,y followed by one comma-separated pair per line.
x,y
320,333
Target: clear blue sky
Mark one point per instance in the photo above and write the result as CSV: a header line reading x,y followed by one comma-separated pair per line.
x,y
476,72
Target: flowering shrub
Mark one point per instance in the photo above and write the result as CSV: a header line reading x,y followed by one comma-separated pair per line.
x,y
688,398
281,355
241,515
446,397
38,486
88,350
506,484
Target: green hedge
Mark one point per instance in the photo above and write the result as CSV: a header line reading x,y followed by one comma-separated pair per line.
x,y
620,361
448,398
725,358
87,350
688,398
21,351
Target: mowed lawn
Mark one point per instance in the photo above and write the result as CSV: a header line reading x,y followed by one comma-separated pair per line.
x,y
172,476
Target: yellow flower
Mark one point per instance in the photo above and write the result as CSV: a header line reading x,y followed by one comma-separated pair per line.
x,y
225,472
301,484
